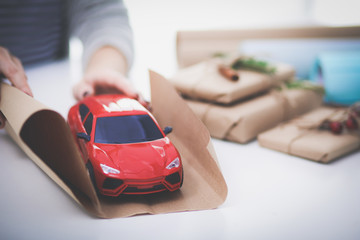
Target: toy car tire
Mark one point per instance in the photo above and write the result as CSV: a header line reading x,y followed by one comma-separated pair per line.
x,y
182,180
90,169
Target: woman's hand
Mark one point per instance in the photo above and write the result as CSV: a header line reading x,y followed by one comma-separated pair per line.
x,y
12,69
105,73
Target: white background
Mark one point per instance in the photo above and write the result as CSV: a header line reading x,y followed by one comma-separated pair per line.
x,y
271,195
156,22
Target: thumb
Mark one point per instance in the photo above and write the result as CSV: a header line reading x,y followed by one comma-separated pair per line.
x,y
82,89
127,88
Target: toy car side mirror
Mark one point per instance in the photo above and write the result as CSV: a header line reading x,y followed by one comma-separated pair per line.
x,y
83,135
167,130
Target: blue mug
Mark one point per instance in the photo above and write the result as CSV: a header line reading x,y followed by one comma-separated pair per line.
x,y
339,73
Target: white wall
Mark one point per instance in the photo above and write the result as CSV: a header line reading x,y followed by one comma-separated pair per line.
x,y
155,23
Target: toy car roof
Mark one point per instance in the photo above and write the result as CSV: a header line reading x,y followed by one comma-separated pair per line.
x,y
103,104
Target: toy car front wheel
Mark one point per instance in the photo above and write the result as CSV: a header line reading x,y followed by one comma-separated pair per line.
x,y
90,169
182,179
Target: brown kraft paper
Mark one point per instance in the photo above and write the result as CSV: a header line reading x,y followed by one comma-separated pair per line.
x,y
204,82
301,137
45,137
243,121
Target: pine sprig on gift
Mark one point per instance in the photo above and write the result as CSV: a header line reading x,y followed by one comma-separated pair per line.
x,y
253,64
305,84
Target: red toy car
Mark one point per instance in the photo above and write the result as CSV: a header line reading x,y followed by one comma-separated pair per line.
x,y
124,149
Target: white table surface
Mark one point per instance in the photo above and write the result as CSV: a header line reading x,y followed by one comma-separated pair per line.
x,y
271,195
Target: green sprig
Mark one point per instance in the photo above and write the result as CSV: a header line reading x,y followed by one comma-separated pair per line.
x,y
253,64
305,84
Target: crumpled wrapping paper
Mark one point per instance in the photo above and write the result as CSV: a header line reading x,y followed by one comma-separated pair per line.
x,y
243,121
45,137
301,137
203,81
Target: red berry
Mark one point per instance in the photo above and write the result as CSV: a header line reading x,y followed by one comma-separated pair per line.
x,y
336,127
351,123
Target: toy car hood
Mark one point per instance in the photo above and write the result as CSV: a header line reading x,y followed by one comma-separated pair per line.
x,y
140,159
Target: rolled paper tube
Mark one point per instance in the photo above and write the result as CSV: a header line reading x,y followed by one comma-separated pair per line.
x,y
228,73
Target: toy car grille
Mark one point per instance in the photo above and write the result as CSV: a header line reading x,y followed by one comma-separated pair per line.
x,y
153,180
139,190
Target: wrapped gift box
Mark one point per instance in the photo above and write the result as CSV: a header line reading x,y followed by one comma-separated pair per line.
x,y
203,81
243,121
302,137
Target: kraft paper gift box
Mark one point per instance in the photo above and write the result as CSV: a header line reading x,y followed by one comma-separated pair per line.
x,y
33,126
302,137
204,82
243,121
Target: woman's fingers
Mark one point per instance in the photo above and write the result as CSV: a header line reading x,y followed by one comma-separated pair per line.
x,y
12,69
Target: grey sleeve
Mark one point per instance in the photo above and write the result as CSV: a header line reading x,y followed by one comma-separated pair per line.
x,y
101,22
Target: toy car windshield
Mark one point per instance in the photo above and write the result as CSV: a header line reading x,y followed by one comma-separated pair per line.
x,y
126,129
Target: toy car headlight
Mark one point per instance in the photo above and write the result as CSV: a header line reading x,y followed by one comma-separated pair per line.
x,y
107,169
174,164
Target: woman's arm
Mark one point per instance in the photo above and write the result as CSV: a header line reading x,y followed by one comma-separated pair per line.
x,y
104,29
